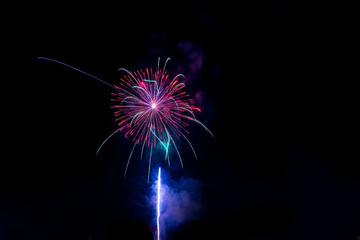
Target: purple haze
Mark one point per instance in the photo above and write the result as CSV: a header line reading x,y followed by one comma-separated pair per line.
x,y
181,202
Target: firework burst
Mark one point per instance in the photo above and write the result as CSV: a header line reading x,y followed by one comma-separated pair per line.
x,y
152,109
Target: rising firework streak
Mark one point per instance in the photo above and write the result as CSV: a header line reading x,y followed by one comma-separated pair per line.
x,y
158,205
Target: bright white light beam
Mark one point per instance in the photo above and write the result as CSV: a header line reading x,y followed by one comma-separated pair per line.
x,y
158,204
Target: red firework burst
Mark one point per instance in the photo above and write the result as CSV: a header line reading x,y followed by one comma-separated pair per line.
x,y
152,108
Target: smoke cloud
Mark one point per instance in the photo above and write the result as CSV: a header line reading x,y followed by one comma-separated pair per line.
x,y
181,202
194,57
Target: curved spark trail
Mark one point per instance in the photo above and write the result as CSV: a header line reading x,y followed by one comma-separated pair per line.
x,y
158,204
81,71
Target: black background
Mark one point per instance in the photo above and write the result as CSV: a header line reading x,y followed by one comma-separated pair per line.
x,y
279,92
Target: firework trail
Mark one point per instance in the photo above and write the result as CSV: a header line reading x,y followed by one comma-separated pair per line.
x,y
158,205
152,109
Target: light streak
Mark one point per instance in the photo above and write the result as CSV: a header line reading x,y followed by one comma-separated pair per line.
x,y
158,204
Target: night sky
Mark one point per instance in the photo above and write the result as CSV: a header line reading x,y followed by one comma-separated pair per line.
x,y
277,84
